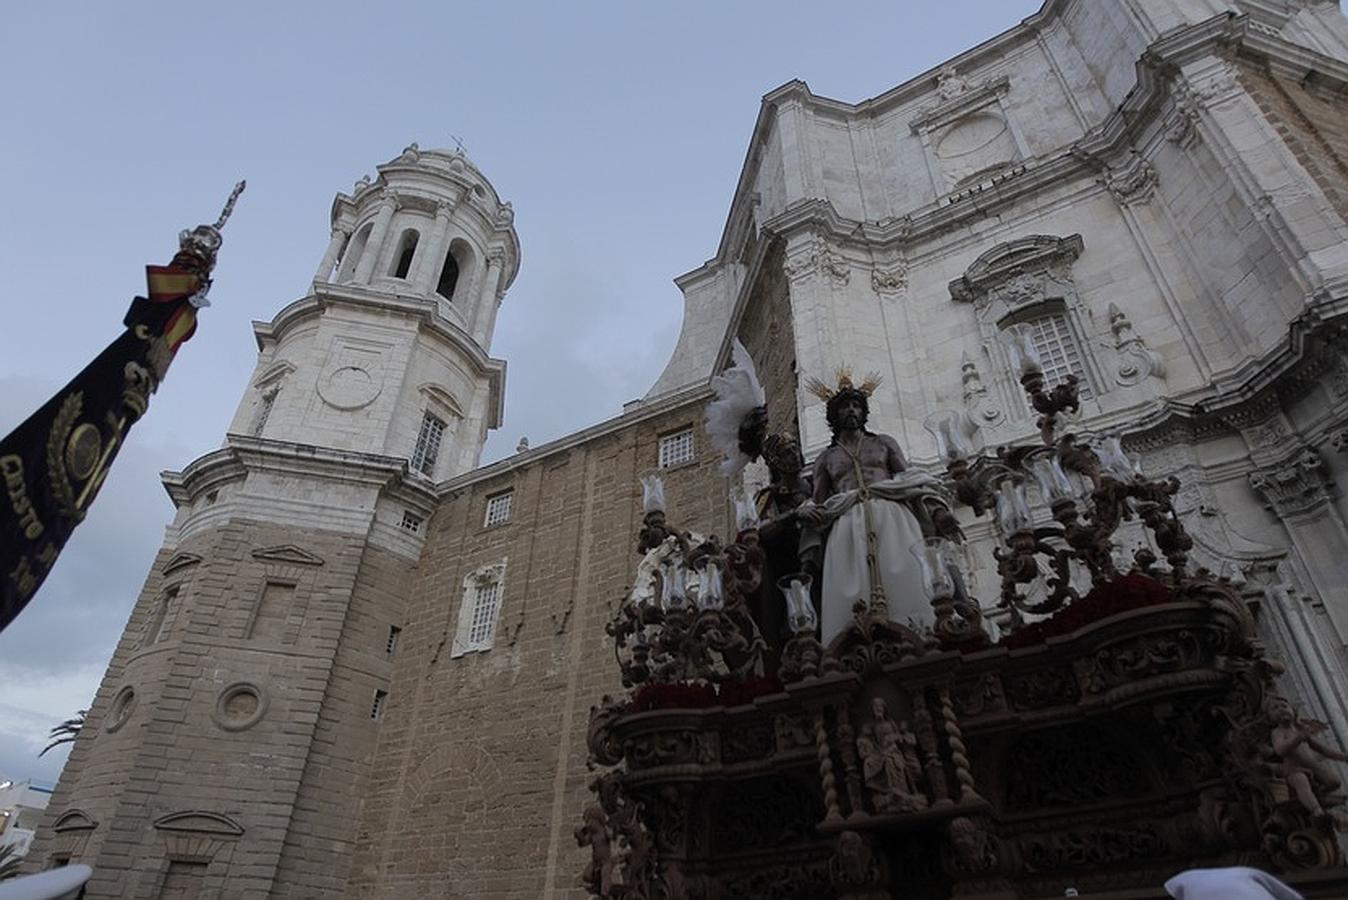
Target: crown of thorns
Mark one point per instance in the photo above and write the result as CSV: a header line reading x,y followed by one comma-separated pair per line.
x,y
825,392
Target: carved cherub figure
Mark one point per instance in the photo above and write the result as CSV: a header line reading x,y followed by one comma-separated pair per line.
x,y
593,833
885,747
1299,755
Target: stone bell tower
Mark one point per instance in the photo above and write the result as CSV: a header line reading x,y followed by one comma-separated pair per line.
x,y
388,354
229,744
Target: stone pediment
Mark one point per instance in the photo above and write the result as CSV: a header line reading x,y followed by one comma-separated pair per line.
x,y
957,101
288,553
1007,261
199,822
180,561
74,820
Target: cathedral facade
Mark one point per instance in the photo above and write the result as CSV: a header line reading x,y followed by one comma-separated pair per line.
x,y
362,664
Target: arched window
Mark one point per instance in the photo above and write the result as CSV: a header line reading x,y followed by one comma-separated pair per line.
x,y
407,248
449,276
351,257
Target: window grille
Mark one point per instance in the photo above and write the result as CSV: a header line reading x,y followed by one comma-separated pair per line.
x,y
498,509
428,444
676,449
1058,352
377,707
486,601
391,646
410,522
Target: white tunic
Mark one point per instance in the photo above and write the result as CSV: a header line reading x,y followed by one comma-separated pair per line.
x,y
846,575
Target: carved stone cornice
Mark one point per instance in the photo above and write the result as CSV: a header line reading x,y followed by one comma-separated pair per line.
x,y
1297,485
1314,348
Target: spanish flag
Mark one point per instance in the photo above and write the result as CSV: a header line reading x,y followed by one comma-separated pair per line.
x,y
168,311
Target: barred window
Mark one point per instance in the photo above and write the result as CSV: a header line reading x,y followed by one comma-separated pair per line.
x,y
483,594
486,602
410,522
498,509
676,449
1058,352
392,646
428,444
377,707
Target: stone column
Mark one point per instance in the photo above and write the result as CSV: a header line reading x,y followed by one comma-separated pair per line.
x,y
374,247
1298,490
339,234
487,299
432,250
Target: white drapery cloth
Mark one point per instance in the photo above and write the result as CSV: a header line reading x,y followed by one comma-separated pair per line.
x,y
1233,883
846,576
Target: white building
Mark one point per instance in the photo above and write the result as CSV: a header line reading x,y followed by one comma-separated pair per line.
x,y
21,806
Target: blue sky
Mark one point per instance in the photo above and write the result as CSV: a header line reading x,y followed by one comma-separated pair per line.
x,y
617,130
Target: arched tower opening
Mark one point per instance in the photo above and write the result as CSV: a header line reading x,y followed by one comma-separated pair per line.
x,y
407,249
456,270
354,248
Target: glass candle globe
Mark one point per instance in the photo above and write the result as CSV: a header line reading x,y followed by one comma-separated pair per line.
x,y
710,587
936,558
800,614
1013,511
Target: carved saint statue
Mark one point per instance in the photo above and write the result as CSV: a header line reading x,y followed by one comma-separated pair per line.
x,y
1299,755
887,748
871,504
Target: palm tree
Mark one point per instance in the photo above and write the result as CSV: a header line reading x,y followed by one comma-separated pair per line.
x,y
9,861
67,731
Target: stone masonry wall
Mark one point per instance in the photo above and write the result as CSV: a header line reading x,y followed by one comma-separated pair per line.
x,y
480,775
767,333
215,766
1312,121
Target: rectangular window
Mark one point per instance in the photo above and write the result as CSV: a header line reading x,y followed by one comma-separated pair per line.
x,y
158,626
377,707
272,611
676,449
183,880
410,522
498,509
263,412
428,444
392,646
1058,352
486,601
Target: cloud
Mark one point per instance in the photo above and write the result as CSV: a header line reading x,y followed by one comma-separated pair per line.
x,y
32,703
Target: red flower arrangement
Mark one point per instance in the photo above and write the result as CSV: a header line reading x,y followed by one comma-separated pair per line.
x,y
697,695
737,693
692,695
1127,592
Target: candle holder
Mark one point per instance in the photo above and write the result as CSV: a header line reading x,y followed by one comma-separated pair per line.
x,y
710,587
958,619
